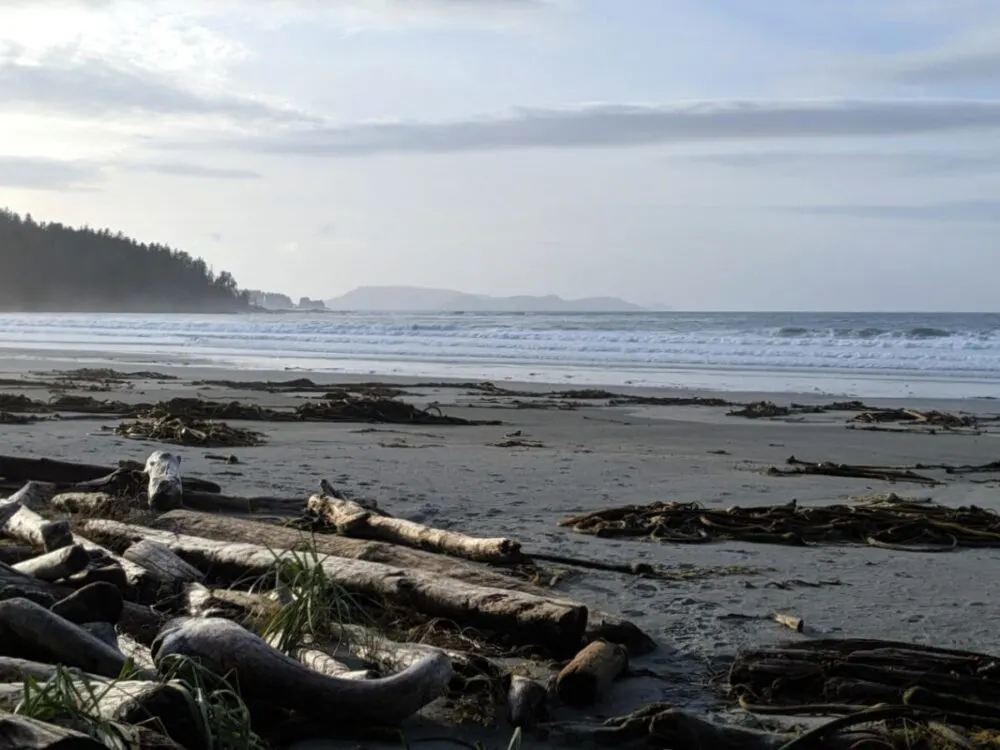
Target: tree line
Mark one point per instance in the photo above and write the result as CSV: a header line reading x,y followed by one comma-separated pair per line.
x,y
56,268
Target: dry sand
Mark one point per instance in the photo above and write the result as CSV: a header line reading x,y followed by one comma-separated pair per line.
x,y
596,457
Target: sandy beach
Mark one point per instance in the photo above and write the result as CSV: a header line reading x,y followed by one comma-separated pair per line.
x,y
589,456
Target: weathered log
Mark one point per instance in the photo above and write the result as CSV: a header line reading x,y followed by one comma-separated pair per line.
x,y
13,669
320,661
590,673
166,490
162,564
89,503
53,566
137,620
600,625
14,555
30,528
526,617
103,631
213,502
67,475
527,701
789,621
96,602
112,574
28,630
351,519
22,733
266,674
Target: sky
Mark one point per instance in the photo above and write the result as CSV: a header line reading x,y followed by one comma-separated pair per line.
x,y
696,154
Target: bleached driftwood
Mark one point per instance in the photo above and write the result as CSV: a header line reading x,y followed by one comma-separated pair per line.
x,y
162,564
166,490
22,733
351,519
90,503
600,625
28,630
30,528
265,674
320,661
55,565
590,673
557,624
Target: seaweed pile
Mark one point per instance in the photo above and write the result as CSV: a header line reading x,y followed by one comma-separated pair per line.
x,y
183,431
895,524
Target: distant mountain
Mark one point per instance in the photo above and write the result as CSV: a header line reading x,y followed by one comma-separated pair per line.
x,y
416,299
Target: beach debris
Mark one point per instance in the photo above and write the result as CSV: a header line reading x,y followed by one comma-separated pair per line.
x,y
527,701
912,416
896,525
830,469
760,410
7,418
55,565
165,490
190,432
351,519
518,442
789,621
381,410
590,673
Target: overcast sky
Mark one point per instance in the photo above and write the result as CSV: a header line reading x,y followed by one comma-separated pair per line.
x,y
703,154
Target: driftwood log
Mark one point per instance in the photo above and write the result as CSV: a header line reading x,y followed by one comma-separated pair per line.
x,y
166,490
600,624
320,661
95,602
22,733
28,527
162,564
103,631
28,630
558,625
82,477
265,674
351,519
590,673
53,566
527,701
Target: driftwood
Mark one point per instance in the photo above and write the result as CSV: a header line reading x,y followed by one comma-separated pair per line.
x,y
30,528
28,630
266,674
90,503
83,477
351,519
831,469
95,602
162,564
22,733
556,624
52,566
320,661
110,573
599,624
527,701
590,673
789,621
166,490
14,555
103,631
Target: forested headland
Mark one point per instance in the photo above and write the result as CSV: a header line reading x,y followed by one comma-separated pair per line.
x,y
50,267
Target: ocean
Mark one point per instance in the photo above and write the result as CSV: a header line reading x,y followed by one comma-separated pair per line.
x,y
932,355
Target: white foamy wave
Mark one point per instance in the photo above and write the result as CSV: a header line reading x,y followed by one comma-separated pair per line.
x,y
921,345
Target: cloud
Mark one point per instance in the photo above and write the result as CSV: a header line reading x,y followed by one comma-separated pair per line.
x,y
97,88
35,173
965,211
925,162
953,65
181,169
614,126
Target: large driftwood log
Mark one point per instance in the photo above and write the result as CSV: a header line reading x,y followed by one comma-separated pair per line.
x,y
22,733
69,475
166,490
590,673
533,619
162,564
320,661
95,602
53,566
351,519
30,528
28,630
266,674
603,625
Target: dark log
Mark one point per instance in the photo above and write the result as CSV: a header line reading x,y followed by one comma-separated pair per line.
x,y
528,618
590,673
162,564
28,527
527,701
267,675
22,733
67,474
53,566
600,625
14,555
351,519
13,669
113,574
28,630
95,602
103,631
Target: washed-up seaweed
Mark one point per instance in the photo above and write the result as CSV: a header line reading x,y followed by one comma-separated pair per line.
x,y
305,385
893,524
379,410
912,416
181,431
201,409
831,469
843,676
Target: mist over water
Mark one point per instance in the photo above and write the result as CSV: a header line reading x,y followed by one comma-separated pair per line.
x,y
639,348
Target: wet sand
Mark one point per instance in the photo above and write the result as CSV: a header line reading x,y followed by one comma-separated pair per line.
x,y
594,457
